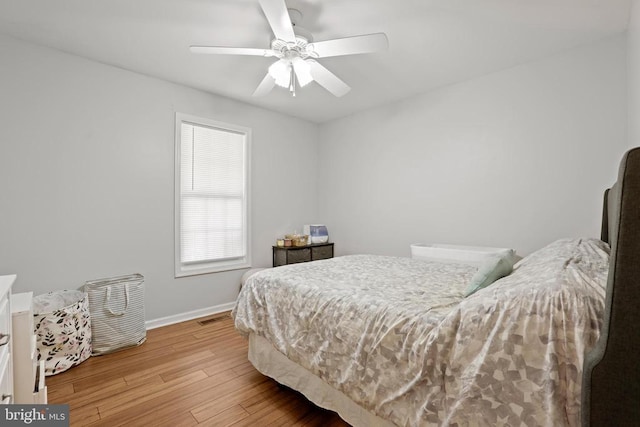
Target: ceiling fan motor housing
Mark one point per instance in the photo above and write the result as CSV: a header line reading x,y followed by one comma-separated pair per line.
x,y
299,47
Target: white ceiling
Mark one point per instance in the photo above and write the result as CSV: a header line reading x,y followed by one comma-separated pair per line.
x,y
431,42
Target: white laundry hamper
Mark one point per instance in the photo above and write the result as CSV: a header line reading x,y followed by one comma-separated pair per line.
x,y
63,329
116,305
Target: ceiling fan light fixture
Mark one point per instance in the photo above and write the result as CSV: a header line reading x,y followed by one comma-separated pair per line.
x,y
281,72
302,70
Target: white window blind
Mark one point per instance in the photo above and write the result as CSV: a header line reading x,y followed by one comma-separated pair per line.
x,y
212,196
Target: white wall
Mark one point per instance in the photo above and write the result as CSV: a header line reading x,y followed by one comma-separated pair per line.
x,y
633,63
86,176
516,158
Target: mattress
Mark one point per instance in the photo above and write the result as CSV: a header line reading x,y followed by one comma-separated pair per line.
x,y
269,361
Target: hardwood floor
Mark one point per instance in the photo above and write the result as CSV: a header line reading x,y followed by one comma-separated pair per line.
x,y
186,374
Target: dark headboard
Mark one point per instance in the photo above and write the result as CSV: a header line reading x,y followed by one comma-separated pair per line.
x,y
611,378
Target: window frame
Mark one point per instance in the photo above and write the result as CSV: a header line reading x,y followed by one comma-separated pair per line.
x,y
205,267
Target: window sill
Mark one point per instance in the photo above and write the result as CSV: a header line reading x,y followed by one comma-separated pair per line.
x,y
195,270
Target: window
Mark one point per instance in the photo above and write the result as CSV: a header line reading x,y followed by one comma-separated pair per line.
x,y
212,196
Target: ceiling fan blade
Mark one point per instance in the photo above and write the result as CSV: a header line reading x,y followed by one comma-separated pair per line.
x,y
232,50
265,86
350,45
327,79
279,20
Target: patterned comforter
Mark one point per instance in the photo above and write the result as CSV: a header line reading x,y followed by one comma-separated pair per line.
x,y
398,338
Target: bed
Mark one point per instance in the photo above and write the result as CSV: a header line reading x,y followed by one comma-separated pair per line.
x,y
394,341
611,375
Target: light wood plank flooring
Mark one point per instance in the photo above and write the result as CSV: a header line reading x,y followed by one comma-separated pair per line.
x,y
185,374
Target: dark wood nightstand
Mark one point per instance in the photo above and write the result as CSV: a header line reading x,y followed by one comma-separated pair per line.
x,y
283,255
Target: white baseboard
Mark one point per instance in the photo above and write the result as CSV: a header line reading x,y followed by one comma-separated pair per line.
x,y
183,317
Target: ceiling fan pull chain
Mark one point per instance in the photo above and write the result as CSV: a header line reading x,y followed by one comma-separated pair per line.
x,y
292,87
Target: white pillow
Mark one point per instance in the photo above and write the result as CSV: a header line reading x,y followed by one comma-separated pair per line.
x,y
470,255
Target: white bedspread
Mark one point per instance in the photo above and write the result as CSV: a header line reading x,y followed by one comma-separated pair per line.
x,y
397,337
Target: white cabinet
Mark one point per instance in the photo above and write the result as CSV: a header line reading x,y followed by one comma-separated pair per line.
x,y
6,368
28,374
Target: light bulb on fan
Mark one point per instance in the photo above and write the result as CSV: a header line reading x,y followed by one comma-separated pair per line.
x,y
281,72
302,70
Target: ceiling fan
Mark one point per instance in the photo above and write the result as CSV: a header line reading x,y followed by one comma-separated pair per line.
x,y
297,53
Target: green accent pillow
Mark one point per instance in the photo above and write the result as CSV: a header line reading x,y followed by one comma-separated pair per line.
x,y
494,268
